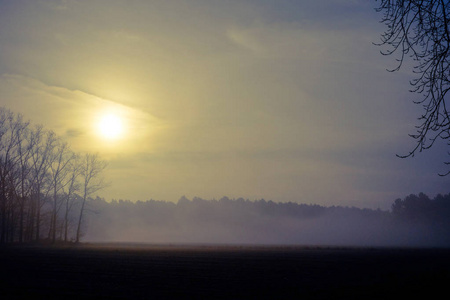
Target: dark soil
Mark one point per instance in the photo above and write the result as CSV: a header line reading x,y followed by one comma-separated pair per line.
x,y
221,272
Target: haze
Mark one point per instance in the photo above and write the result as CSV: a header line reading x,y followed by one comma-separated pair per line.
x,y
275,99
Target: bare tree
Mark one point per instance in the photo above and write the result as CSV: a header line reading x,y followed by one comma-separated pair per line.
x,y
419,29
59,171
73,186
92,181
38,175
43,143
24,169
11,128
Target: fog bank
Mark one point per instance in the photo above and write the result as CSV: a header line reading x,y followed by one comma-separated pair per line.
x,y
240,221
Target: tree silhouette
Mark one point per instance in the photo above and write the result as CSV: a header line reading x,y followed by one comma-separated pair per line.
x,y
91,169
42,143
59,177
39,175
73,186
419,29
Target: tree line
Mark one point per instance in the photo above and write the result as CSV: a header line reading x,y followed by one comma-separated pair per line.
x,y
424,210
260,221
44,185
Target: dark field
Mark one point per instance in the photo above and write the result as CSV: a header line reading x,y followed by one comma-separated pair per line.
x,y
222,272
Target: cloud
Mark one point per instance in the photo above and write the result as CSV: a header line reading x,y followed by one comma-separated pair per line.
x,y
74,132
264,99
73,114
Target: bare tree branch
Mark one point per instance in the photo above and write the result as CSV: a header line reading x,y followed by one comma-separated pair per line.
x,y
419,29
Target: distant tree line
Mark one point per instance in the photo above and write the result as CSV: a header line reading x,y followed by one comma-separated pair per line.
x,y
44,185
420,209
261,221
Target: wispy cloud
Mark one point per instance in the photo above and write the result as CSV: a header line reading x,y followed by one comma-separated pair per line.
x,y
270,99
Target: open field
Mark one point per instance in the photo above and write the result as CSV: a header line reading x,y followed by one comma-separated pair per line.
x,y
112,271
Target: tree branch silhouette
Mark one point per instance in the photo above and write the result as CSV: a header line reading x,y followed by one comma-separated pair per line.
x,y
419,29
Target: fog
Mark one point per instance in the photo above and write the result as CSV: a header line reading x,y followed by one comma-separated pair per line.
x,y
240,221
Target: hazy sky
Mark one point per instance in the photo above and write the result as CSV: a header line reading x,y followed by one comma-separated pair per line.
x,y
284,100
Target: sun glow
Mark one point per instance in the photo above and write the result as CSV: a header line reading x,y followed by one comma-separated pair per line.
x,y
110,126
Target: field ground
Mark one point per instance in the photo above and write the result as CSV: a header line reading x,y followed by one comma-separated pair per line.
x,y
111,271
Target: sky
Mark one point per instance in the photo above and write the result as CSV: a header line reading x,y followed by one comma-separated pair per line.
x,y
278,99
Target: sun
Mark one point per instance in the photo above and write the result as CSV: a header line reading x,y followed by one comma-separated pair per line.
x,y
110,126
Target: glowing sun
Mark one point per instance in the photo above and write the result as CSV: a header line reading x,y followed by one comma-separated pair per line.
x,y
110,126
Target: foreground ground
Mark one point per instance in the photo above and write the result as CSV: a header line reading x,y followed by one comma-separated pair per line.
x,y
221,272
